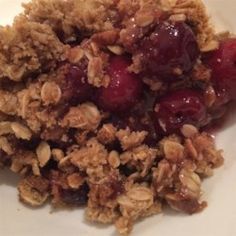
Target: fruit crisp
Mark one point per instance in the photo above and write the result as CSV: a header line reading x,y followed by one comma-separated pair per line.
x,y
103,104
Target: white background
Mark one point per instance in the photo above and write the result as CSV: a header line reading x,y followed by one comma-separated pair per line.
x,y
219,219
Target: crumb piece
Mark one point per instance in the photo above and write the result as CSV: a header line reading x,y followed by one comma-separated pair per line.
x,y
75,180
28,47
66,166
136,203
90,158
103,215
33,190
107,134
201,73
8,102
85,116
95,74
57,154
189,206
211,46
154,85
140,158
71,17
23,161
130,139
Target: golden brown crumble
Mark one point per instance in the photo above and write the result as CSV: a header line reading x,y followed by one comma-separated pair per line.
x,y
130,139
73,152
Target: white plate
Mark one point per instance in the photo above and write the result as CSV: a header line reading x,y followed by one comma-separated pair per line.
x,y
219,219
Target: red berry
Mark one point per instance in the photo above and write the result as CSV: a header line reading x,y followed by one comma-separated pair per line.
x,y
124,89
171,46
75,87
77,197
178,108
223,65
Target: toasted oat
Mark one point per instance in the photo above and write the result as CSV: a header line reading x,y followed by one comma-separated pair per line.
x,y
191,183
6,146
118,50
21,131
120,175
107,134
50,93
173,151
5,128
75,54
189,130
178,17
43,152
57,154
114,159
33,190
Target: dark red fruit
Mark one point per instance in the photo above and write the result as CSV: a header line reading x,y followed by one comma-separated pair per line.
x,y
223,65
124,89
178,108
171,46
77,197
76,88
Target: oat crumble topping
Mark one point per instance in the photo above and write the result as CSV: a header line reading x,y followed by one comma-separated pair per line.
x,y
69,149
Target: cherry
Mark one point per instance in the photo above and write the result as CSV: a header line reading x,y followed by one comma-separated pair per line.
x,y
75,87
124,89
77,197
222,62
181,107
171,49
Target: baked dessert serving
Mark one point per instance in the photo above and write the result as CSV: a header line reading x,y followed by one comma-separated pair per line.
x,y
103,104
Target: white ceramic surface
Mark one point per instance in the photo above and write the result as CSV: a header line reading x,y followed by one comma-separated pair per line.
x,y
219,219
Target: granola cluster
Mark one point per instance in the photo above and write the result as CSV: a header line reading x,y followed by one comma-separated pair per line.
x,y
72,152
